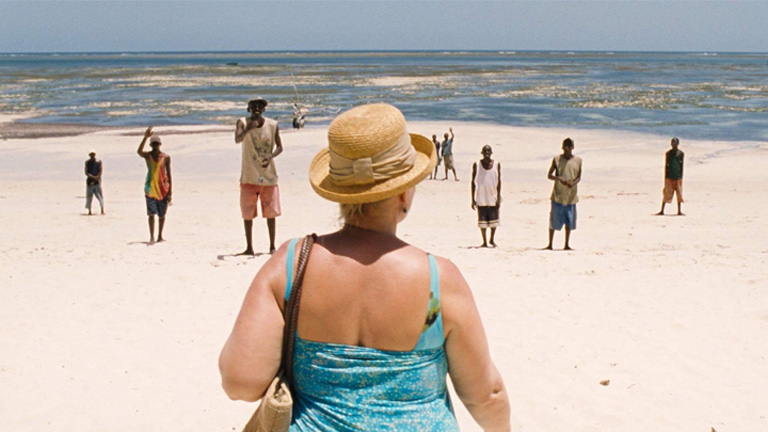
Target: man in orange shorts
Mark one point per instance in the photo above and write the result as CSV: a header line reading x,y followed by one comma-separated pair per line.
x,y
260,139
673,178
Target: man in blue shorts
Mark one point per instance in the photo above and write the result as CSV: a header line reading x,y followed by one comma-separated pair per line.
x,y
565,171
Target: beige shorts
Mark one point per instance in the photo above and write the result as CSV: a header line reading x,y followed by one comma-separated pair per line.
x,y
672,187
251,194
448,161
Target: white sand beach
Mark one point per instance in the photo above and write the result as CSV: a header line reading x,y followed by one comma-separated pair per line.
x,y
100,331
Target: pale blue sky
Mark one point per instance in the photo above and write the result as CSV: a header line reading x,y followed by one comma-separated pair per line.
x,y
618,25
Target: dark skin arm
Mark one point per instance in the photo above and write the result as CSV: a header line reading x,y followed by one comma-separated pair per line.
x,y
498,187
474,173
574,182
147,133
278,148
552,171
570,183
241,129
170,179
682,166
91,176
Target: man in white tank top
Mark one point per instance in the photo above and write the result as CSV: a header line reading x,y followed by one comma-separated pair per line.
x,y
260,139
486,193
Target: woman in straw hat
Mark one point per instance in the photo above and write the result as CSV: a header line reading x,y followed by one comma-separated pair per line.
x,y
381,321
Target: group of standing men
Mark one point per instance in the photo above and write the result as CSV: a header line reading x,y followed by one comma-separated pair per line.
x,y
565,170
259,137
444,151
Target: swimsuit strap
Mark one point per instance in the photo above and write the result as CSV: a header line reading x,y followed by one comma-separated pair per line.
x,y
289,267
432,336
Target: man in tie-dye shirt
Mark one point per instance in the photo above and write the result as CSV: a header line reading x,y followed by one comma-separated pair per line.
x,y
158,184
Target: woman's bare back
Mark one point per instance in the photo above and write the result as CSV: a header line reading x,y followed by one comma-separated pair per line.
x,y
366,289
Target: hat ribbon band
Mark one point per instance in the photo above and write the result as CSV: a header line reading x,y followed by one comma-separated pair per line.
x,y
391,162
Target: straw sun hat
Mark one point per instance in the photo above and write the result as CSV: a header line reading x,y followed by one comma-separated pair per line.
x,y
370,157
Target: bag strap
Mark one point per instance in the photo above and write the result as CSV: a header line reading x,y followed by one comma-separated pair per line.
x,y
291,310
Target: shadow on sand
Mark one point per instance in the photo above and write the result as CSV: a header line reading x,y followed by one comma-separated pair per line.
x,y
230,257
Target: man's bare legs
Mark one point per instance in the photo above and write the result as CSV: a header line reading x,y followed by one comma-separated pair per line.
x,y
160,230
271,229
248,225
679,209
551,236
485,243
151,221
455,177
493,233
567,239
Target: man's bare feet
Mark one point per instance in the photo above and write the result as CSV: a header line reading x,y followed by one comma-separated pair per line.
x,y
547,247
659,214
681,214
102,212
246,252
160,239
272,251
456,179
493,244
151,240
484,245
568,248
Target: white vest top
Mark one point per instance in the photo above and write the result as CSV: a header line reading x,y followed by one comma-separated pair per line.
x,y
257,144
487,185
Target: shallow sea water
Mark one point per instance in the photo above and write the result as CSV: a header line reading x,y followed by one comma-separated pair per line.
x,y
722,96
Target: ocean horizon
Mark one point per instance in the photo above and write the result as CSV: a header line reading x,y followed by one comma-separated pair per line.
x,y
699,95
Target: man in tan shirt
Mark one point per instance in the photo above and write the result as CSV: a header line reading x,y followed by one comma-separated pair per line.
x,y
260,140
565,171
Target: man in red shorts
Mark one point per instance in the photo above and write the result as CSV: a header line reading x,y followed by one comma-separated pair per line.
x,y
260,139
673,177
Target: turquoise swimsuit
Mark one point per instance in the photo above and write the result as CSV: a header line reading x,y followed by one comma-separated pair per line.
x,y
352,388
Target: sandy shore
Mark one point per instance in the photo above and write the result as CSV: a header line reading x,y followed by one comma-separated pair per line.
x,y
103,332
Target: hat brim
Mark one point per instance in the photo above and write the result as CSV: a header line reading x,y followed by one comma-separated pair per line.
x,y
319,177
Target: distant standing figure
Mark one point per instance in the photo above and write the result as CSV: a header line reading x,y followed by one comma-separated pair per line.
x,y
439,158
486,193
673,177
447,151
298,116
566,172
93,169
260,138
158,184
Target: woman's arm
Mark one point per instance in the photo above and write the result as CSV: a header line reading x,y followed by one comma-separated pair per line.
x,y
475,378
251,356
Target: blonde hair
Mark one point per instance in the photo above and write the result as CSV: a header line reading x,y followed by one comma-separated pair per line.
x,y
351,211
